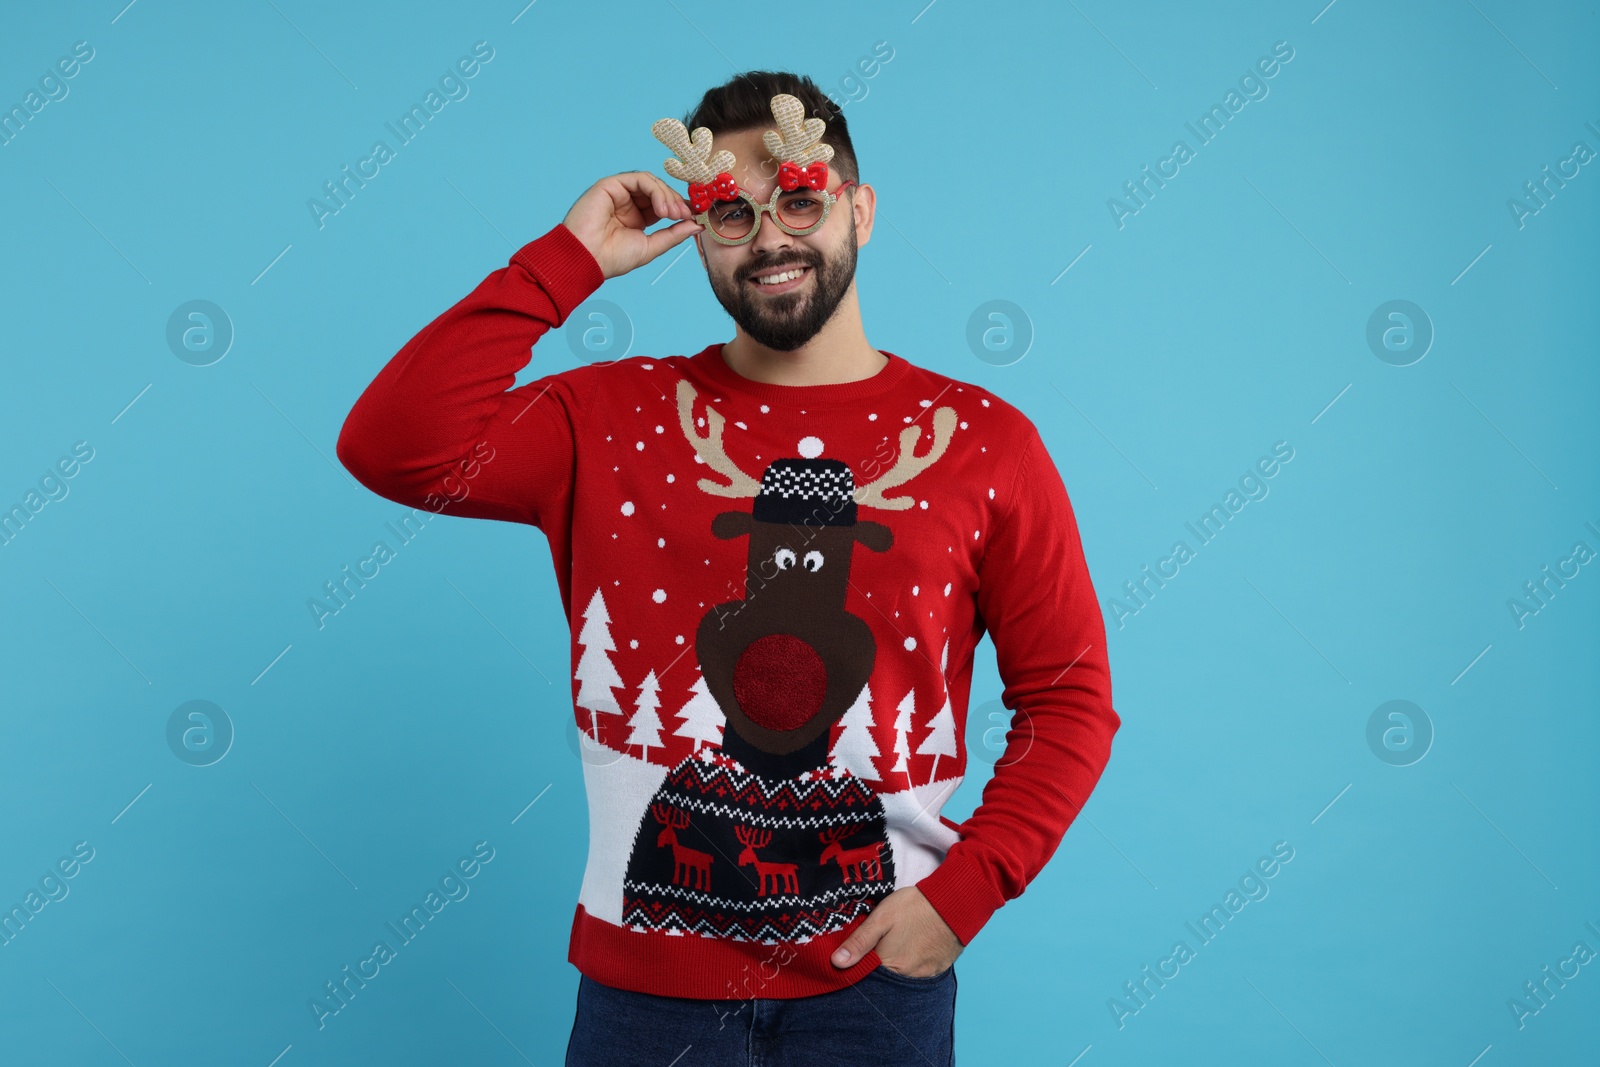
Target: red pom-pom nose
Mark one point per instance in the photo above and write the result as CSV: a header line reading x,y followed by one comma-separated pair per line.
x,y
780,681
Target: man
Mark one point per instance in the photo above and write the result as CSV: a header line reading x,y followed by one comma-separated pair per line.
x,y
777,557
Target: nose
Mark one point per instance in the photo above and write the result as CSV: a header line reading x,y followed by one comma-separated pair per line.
x,y
779,681
770,237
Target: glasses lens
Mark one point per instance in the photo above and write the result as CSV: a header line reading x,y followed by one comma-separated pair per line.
x,y
732,218
800,209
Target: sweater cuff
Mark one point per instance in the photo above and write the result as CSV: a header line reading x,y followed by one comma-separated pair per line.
x,y
961,893
563,266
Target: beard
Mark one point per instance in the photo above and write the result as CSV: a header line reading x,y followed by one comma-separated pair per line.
x,y
785,321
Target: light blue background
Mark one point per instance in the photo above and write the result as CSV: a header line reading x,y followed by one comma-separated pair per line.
x,y
1228,314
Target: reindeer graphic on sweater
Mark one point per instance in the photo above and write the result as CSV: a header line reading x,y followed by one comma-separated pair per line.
x,y
760,838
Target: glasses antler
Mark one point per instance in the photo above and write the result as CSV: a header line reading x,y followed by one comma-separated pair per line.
x,y
707,173
797,145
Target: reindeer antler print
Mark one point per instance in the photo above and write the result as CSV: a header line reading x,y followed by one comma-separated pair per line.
x,y
708,447
797,139
695,163
908,464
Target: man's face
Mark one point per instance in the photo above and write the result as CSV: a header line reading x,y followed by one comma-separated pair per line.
x,y
787,315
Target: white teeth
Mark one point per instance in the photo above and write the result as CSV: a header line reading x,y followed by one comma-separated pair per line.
x,y
775,279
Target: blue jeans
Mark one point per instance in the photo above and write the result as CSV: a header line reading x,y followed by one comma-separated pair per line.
x,y
886,1020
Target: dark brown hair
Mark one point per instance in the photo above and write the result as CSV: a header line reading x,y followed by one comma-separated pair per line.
x,y
744,102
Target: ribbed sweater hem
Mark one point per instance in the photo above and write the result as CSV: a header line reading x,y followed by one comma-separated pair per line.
x,y
704,968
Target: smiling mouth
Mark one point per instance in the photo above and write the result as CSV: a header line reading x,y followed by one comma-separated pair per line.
x,y
780,280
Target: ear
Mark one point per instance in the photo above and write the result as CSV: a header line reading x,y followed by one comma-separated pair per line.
x,y
731,524
865,207
874,535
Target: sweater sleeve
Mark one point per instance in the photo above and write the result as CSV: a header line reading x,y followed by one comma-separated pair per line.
x,y
441,426
1035,597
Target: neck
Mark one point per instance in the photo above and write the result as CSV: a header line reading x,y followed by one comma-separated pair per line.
x,y
839,353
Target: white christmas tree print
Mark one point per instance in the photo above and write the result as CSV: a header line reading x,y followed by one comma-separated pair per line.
x,y
941,739
855,749
902,727
644,729
702,718
596,674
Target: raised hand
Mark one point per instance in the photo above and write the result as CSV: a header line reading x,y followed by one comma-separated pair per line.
x,y
612,216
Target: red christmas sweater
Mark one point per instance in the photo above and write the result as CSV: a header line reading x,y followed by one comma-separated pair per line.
x,y
774,595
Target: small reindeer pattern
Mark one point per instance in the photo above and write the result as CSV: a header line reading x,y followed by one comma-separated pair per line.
x,y
857,864
690,866
781,876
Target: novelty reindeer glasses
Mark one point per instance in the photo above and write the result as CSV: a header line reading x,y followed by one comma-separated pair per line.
x,y
800,203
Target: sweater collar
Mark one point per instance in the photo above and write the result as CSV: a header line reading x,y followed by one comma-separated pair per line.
x,y
709,360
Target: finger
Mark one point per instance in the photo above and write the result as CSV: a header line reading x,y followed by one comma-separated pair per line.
x,y
680,206
648,200
668,204
669,236
666,200
663,202
862,940
649,211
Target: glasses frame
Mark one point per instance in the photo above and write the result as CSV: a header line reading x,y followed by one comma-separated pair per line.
x,y
771,208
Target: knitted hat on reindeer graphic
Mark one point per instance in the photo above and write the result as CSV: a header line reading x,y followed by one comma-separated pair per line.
x,y
802,490
796,144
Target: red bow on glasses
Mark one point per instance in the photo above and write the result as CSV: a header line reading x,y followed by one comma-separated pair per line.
x,y
723,187
792,176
